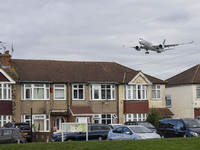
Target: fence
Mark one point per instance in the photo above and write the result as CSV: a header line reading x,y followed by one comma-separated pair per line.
x,y
41,137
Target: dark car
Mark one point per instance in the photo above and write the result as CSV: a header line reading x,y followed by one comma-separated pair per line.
x,y
184,127
95,132
143,123
11,135
23,126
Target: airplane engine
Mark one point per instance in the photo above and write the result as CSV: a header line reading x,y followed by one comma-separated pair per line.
x,y
161,46
137,48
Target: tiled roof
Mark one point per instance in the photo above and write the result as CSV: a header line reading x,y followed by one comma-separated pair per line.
x,y
163,111
136,107
190,76
77,110
6,108
73,71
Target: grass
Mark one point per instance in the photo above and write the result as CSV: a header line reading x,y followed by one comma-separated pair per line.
x,y
154,144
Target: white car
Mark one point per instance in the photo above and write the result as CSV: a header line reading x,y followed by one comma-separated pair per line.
x,y
131,132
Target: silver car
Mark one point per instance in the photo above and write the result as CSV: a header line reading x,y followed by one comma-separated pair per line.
x,y
11,135
131,132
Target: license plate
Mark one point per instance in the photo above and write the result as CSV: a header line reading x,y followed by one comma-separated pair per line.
x,y
25,133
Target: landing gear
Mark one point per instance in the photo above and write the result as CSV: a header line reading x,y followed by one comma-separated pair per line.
x,y
146,52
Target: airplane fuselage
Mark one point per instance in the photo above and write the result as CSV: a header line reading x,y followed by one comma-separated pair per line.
x,y
147,45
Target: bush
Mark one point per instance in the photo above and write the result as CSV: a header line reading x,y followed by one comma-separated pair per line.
x,y
153,117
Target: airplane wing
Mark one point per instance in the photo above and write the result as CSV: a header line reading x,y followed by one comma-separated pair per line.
x,y
173,45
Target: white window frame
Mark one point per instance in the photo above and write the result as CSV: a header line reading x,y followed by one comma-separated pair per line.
x,y
135,117
78,88
135,92
167,100
44,117
58,87
100,118
32,87
157,90
5,91
98,88
5,119
198,91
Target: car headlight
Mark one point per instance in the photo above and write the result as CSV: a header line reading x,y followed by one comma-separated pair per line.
x,y
194,134
142,137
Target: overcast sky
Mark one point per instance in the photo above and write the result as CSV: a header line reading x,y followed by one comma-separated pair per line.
x,y
96,30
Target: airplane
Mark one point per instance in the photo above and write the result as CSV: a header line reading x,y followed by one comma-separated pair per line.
x,y
147,45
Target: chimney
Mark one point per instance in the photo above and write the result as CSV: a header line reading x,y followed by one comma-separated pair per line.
x,y
5,60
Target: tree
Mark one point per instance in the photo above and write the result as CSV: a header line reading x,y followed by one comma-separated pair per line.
x,y
153,117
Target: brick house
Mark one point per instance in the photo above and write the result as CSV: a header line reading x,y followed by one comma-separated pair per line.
x,y
71,91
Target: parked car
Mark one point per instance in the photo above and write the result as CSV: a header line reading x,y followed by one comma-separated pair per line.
x,y
23,126
115,125
143,123
11,135
185,127
131,133
95,132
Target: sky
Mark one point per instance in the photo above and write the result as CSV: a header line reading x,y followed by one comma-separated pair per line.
x,y
96,30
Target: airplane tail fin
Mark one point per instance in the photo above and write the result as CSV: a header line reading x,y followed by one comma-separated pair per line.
x,y
164,42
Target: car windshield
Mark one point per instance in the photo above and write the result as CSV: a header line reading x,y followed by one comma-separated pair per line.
x,y
140,129
146,124
192,123
22,126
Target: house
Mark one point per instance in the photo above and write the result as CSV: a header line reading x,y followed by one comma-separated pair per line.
x,y
71,91
183,90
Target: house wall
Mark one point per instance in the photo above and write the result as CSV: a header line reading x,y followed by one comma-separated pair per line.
x,y
121,105
181,101
22,107
157,103
97,106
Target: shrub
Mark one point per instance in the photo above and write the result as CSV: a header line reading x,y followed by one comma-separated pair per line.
x,y
154,116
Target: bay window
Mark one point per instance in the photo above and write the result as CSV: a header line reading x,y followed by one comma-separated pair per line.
x,y
135,117
41,123
135,92
5,91
156,92
5,119
102,92
35,91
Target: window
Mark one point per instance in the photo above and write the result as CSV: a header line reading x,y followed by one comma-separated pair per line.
x,y
35,91
40,122
59,92
156,92
135,117
105,118
5,119
102,92
78,92
135,92
198,91
168,101
5,91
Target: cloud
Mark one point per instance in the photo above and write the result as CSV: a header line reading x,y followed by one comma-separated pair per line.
x,y
93,30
